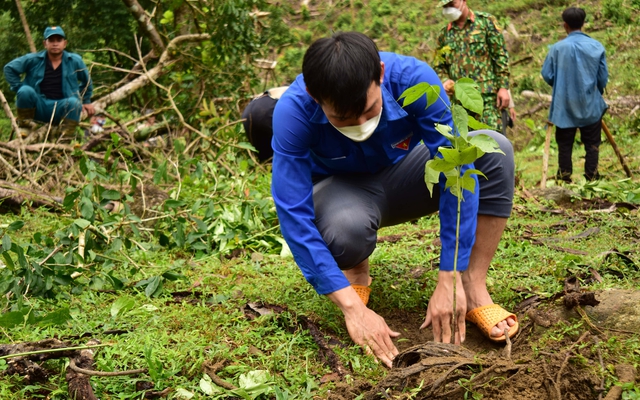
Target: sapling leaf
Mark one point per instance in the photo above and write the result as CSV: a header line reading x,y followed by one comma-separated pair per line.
x,y
431,176
473,171
414,93
449,136
22,260
171,203
486,143
442,164
467,183
460,120
433,94
468,95
476,125
444,130
8,260
452,184
469,155
451,157
161,173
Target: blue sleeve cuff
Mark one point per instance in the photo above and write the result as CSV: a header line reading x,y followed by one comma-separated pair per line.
x,y
329,281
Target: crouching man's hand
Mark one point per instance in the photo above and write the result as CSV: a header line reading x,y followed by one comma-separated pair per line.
x,y
89,109
365,327
440,309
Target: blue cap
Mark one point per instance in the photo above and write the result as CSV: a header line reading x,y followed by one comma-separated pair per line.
x,y
53,30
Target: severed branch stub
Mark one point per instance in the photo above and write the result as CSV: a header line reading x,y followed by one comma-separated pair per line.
x,y
24,358
79,384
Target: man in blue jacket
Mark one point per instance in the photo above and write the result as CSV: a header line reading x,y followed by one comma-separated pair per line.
x,y
576,67
56,83
348,160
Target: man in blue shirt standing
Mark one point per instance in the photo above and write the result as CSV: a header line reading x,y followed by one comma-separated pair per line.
x,y
576,67
56,82
349,159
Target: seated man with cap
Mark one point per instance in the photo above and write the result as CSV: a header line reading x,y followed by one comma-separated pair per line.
x,y
56,85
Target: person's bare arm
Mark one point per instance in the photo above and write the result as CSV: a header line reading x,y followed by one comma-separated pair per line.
x,y
366,328
440,309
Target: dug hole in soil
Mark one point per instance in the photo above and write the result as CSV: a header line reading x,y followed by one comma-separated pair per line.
x,y
569,366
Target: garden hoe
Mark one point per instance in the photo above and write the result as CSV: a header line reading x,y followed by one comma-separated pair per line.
x,y
605,128
545,156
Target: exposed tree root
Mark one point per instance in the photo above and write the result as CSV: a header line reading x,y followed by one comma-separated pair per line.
x,y
79,383
212,371
24,359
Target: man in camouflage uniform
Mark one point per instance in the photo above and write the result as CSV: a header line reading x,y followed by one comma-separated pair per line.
x,y
472,46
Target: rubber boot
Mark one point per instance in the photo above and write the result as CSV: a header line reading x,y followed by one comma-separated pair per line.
x,y
68,127
25,121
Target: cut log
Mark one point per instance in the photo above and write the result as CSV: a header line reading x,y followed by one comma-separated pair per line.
x,y
13,196
625,101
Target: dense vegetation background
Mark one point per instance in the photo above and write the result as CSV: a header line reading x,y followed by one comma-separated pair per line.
x,y
167,244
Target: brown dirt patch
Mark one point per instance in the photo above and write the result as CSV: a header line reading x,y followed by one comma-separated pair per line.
x,y
567,368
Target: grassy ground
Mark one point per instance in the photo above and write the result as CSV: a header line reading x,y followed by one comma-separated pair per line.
x,y
208,313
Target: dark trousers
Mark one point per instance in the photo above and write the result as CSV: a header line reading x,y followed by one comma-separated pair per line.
x,y
591,138
350,208
69,108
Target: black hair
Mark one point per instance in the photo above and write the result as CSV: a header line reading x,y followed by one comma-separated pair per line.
x,y
339,71
574,17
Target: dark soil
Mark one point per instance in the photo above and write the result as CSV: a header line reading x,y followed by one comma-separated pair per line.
x,y
568,367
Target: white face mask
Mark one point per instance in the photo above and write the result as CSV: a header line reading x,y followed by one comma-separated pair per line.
x,y
451,13
360,133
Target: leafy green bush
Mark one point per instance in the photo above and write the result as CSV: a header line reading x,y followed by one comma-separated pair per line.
x,y
617,11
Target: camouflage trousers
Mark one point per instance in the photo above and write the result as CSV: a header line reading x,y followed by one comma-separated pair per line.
x,y
490,114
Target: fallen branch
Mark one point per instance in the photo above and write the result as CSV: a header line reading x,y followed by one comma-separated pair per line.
x,y
146,26
7,110
90,372
625,101
25,26
534,109
15,198
165,60
42,350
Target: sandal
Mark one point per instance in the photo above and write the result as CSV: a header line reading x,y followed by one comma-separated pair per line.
x,y
363,292
486,317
